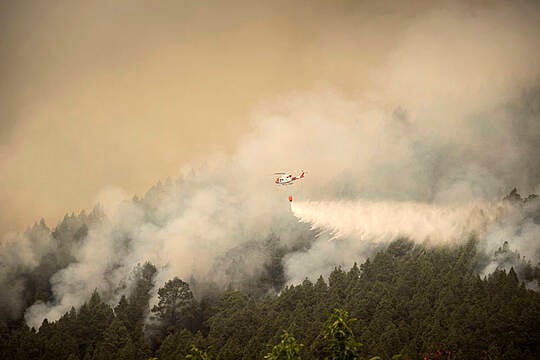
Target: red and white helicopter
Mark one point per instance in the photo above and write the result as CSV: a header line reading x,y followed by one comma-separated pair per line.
x,y
287,178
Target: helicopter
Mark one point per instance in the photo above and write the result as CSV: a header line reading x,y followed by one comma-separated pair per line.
x,y
287,178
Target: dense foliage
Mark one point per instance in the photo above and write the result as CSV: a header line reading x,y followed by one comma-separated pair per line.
x,y
408,301
288,348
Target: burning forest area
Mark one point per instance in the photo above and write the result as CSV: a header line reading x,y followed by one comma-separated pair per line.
x,y
270,180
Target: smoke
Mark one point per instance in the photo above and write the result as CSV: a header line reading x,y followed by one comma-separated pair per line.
x,y
20,253
184,228
449,125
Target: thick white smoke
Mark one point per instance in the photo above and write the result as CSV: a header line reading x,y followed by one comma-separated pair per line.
x,y
20,253
186,228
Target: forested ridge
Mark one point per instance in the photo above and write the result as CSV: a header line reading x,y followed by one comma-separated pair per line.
x,y
407,300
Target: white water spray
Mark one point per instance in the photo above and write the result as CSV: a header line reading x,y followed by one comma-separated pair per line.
x,y
385,221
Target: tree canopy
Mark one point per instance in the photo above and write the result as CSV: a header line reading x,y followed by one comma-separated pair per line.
x,y
407,302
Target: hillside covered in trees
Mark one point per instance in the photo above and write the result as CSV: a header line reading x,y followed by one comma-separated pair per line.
x,y
407,300
400,126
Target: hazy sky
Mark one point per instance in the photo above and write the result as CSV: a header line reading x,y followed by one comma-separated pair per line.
x,y
124,93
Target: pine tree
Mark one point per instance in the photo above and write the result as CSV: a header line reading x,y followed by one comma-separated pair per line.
x,y
175,303
93,319
115,337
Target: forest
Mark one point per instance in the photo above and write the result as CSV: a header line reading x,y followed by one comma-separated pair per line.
x,y
407,302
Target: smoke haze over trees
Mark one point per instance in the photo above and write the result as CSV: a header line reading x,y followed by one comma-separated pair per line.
x,y
410,176
408,300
